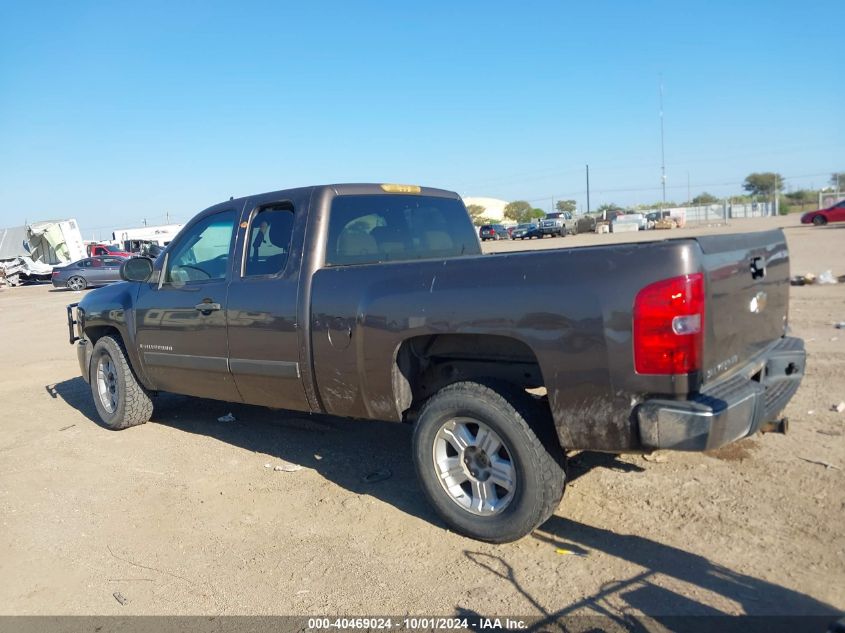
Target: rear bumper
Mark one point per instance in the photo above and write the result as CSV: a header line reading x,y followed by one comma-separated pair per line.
x,y
729,410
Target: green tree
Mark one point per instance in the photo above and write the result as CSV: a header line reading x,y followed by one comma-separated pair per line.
x,y
837,180
536,214
705,198
763,183
566,205
475,210
518,211
802,196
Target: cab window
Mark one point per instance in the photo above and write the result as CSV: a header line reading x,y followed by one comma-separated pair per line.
x,y
366,229
202,254
268,246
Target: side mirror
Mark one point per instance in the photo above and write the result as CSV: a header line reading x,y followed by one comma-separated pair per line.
x,y
136,269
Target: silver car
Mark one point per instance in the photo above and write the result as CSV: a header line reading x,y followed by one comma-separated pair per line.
x,y
91,271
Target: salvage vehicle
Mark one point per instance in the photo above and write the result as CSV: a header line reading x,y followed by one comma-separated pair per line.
x,y
376,302
106,249
833,213
88,272
558,224
493,232
526,232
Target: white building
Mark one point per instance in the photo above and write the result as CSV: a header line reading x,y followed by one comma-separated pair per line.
x,y
493,207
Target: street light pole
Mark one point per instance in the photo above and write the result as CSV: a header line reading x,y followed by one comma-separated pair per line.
x,y
662,151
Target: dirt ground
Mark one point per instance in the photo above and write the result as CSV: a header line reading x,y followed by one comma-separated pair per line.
x,y
181,516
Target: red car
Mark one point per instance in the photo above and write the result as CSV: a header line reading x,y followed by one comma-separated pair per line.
x,y
835,213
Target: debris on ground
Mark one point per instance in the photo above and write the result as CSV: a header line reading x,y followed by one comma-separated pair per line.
x,y
65,428
827,278
286,467
810,412
379,475
569,552
820,463
120,597
226,418
268,465
839,408
656,457
840,325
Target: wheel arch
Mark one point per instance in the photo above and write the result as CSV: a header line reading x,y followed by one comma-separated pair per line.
x,y
425,364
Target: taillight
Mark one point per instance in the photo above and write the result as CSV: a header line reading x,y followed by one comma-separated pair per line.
x,y
55,273
669,326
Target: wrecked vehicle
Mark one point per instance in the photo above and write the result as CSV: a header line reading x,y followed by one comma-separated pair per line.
x,y
375,301
28,253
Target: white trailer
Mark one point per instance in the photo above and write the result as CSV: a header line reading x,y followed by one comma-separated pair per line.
x,y
160,235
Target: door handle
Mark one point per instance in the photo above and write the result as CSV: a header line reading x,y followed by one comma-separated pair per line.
x,y
207,306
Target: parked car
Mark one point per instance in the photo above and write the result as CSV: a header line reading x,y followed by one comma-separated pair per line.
x,y
95,250
493,232
834,213
527,232
376,302
91,271
558,224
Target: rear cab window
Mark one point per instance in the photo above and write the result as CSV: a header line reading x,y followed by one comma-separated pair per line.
x,y
366,229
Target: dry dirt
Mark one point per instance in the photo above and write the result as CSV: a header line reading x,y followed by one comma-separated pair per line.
x,y
182,517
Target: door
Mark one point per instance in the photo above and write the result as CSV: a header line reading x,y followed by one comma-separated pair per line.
x,y
181,319
111,269
261,309
837,212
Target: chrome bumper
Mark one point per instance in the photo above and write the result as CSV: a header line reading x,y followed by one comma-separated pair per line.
x,y
727,411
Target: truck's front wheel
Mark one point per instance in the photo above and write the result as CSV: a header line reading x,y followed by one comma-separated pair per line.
x,y
482,465
120,399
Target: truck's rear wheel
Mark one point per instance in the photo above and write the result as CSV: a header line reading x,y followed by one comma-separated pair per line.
x,y
482,465
120,399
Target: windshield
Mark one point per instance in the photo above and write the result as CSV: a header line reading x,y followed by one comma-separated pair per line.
x,y
113,249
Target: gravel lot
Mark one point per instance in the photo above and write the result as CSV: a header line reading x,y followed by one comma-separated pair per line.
x,y
181,516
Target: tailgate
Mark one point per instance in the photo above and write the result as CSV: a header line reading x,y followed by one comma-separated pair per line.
x,y
747,280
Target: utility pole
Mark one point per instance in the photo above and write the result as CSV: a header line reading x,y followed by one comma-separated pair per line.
x,y
145,221
776,195
588,188
662,151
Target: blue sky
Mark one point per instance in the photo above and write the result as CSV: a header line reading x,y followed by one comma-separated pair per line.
x,y
112,112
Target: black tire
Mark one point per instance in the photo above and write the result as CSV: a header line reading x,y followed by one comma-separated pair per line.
x,y
132,405
77,283
528,437
819,220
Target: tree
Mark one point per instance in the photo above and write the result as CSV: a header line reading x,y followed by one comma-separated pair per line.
x,y
566,205
518,211
763,183
475,210
536,214
705,198
837,180
609,207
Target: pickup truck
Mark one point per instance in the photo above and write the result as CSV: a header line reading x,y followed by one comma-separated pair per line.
x,y
375,301
558,224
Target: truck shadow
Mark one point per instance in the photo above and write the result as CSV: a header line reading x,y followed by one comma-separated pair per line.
x,y
691,576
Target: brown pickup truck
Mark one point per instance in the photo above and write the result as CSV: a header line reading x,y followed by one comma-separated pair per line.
x,y
375,301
